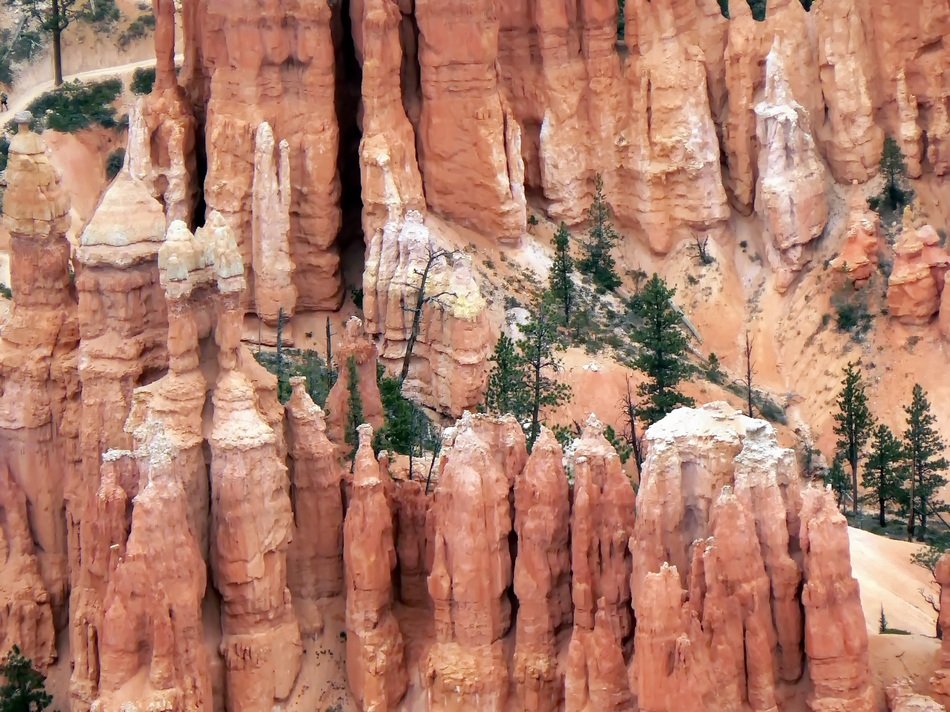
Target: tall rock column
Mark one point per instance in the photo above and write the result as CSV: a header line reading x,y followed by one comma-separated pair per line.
x,y
274,288
602,521
278,66
251,524
542,575
39,390
315,556
466,667
375,665
836,639
470,142
792,185
852,140
940,682
354,345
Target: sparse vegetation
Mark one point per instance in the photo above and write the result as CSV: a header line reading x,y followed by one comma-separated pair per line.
x,y
5,291
24,687
662,353
354,409
851,312
309,364
143,79
896,193
76,105
114,162
406,429
137,29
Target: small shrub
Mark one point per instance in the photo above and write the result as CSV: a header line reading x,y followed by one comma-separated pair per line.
x,y
744,245
102,13
139,28
114,163
143,79
75,106
357,295
5,291
533,220
714,370
4,151
851,310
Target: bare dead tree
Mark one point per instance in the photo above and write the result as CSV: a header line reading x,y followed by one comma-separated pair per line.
x,y
329,346
421,300
701,245
629,406
749,369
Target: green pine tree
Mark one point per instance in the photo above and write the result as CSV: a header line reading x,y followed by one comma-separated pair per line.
x,y
354,411
506,381
561,285
283,381
521,381
662,354
601,238
883,478
923,448
24,688
836,478
538,350
853,424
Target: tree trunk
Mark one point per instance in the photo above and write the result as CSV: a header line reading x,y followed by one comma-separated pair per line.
x,y
57,57
854,484
913,494
882,516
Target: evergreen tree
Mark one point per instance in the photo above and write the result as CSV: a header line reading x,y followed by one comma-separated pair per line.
x,y
923,448
538,351
601,238
896,193
560,283
836,478
23,689
354,411
853,423
506,381
883,472
662,351
283,382
520,383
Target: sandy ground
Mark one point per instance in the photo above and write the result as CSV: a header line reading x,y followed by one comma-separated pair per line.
x,y
889,580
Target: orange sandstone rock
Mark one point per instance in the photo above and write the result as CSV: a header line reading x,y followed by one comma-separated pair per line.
x,y
315,555
940,682
858,258
917,279
836,642
542,573
356,345
375,666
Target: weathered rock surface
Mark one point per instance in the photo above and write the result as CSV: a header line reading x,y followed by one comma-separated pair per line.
x,y
471,566
39,399
790,194
917,279
835,632
902,698
449,364
941,679
315,555
542,574
858,257
356,347
375,666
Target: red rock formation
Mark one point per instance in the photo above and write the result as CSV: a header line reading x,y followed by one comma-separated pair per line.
x,y
241,66
792,185
375,666
471,567
858,258
917,278
602,521
940,682
39,390
470,144
449,365
836,641
315,556
356,345
251,525
542,574
902,698
412,508
27,618
672,667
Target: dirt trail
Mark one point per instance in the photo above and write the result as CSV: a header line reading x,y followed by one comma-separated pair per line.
x,y
23,99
